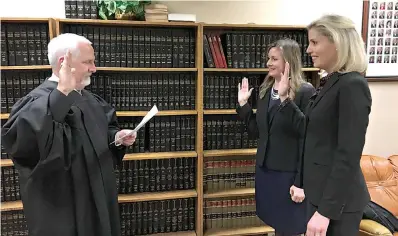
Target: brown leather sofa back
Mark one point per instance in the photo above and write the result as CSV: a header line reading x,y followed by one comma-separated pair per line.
x,y
381,175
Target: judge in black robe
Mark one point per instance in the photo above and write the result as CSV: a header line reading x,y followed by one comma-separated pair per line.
x,y
60,145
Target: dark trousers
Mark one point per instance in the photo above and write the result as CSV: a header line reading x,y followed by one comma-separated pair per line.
x,y
348,225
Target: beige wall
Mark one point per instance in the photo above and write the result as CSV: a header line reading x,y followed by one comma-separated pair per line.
x,y
382,136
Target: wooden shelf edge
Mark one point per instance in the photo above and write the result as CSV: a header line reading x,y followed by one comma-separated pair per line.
x,y
32,67
230,193
158,155
22,19
11,206
138,113
254,26
123,198
222,112
6,162
145,69
127,22
230,152
240,231
154,196
178,233
160,113
248,69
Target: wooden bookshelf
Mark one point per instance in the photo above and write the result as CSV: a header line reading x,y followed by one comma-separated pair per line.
x,y
237,192
230,152
222,112
123,198
140,113
158,155
155,196
124,69
264,70
38,67
56,27
160,113
11,206
134,156
259,230
182,233
6,162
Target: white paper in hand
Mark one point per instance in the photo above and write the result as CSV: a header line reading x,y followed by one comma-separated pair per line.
x,y
147,117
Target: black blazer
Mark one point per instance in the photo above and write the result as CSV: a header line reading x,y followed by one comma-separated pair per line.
x,y
278,138
336,122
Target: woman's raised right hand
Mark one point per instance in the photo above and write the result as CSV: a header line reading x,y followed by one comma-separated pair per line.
x,y
244,92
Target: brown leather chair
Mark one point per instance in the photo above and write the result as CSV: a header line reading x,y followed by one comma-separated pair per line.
x,y
381,175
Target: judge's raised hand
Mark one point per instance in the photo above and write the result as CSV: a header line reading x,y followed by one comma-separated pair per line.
x,y
128,137
244,92
284,85
67,81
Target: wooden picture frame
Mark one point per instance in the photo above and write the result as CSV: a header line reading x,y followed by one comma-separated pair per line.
x,y
380,34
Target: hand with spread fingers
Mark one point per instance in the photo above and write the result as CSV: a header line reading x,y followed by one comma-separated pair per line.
x,y
128,137
284,85
243,92
67,81
297,194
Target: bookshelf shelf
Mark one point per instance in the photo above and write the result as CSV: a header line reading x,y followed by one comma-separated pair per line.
x,y
252,26
240,231
138,113
21,19
126,69
248,69
160,113
6,162
142,197
122,198
127,23
182,233
11,206
230,152
230,193
222,112
134,156
158,155
33,67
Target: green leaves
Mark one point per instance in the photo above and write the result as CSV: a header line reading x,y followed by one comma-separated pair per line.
x,y
108,8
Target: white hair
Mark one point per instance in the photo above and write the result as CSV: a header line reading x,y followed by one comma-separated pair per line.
x,y
59,45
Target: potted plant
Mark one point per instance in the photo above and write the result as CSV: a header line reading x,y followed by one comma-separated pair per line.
x,y
122,10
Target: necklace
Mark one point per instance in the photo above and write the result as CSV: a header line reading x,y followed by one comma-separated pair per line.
x,y
274,94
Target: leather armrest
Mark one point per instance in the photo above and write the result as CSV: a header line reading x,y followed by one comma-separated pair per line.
x,y
370,227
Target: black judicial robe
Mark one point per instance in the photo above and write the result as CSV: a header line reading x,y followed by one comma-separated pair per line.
x,y
60,146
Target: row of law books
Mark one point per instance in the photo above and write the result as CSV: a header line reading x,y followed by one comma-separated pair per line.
x,y
221,90
140,91
151,47
24,44
156,175
163,216
81,9
236,212
226,132
233,172
10,190
248,49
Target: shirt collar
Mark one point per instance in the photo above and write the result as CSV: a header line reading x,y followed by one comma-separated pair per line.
x,y
56,79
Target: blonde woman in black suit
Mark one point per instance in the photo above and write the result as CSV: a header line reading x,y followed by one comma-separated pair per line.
x,y
278,185
336,121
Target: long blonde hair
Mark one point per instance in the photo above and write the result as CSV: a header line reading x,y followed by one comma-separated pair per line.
x,y
291,53
340,30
